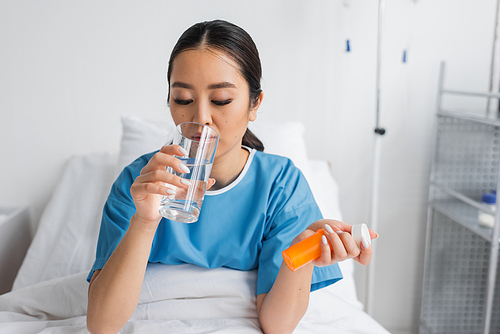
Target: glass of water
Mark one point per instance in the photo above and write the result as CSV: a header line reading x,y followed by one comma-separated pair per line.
x,y
200,142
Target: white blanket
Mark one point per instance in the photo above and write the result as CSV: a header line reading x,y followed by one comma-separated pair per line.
x,y
174,299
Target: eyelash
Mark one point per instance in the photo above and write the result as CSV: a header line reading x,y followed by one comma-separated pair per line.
x,y
217,103
221,103
183,102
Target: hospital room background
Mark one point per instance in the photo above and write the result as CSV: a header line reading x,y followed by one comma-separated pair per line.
x,y
69,70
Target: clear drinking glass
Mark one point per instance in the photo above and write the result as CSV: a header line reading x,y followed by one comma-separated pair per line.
x,y
200,142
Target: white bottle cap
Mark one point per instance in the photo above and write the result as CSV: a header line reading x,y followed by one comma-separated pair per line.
x,y
359,232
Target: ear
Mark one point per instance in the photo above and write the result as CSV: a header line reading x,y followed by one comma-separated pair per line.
x,y
253,111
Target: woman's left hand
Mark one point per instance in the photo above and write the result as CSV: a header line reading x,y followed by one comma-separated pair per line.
x,y
343,246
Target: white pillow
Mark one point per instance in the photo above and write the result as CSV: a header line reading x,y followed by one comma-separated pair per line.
x,y
285,139
141,136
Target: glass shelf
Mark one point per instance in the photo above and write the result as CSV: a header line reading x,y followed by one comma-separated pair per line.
x,y
463,214
473,117
463,198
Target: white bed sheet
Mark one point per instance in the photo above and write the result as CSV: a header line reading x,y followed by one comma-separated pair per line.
x,y
66,238
174,299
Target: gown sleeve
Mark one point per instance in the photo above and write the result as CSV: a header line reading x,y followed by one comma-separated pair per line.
x,y
294,211
117,212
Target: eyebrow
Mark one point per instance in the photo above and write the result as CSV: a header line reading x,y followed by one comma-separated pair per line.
x,y
219,85
178,84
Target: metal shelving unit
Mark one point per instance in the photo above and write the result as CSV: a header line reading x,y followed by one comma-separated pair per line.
x,y
461,291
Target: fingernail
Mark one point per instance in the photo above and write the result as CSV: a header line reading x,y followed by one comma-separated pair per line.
x,y
339,232
183,151
328,228
366,242
215,181
170,192
186,182
184,168
323,240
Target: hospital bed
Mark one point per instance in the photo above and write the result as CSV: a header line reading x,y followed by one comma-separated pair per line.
x,y
50,290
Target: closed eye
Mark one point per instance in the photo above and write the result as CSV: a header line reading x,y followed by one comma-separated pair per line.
x,y
182,102
221,103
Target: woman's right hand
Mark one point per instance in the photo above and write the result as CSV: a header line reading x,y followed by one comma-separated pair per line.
x,y
150,185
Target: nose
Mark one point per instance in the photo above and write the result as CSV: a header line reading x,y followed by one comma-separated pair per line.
x,y
202,114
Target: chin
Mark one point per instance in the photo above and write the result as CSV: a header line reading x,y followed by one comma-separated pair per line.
x,y
223,149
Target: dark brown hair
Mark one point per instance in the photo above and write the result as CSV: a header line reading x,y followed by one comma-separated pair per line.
x,y
234,42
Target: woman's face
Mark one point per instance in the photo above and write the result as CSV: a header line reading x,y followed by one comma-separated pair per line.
x,y
206,87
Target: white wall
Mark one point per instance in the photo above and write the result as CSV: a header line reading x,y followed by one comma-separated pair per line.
x,y
460,33
69,69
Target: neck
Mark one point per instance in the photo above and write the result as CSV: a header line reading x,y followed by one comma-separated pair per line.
x,y
227,167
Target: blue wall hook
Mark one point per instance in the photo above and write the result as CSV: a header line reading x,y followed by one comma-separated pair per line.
x,y
348,49
404,56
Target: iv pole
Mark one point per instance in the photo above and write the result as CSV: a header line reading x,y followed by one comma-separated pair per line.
x,y
379,132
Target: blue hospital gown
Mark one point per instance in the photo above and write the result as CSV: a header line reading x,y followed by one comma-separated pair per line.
x,y
244,226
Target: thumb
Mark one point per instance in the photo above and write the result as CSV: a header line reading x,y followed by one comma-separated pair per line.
x,y
211,182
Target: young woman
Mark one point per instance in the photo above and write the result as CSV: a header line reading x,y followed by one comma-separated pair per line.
x,y
258,204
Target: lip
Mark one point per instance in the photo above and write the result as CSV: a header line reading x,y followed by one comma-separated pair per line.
x,y
197,137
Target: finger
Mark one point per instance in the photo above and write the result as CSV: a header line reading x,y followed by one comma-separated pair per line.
x,y
339,252
344,227
141,190
326,253
336,225
160,160
174,150
349,245
365,255
163,177
373,234
210,183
